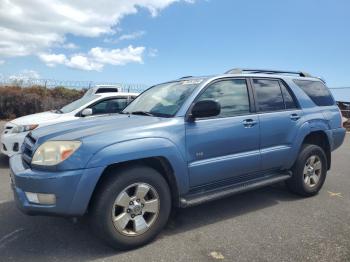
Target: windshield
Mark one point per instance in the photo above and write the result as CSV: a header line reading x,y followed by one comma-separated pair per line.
x,y
90,92
77,104
163,100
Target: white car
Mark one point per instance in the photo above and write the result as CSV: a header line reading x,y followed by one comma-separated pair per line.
x,y
94,103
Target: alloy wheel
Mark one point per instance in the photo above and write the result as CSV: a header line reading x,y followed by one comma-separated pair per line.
x,y
312,171
135,209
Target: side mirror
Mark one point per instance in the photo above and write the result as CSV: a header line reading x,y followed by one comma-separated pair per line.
x,y
86,112
205,108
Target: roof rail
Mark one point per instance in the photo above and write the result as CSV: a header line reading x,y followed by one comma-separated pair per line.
x,y
185,77
266,71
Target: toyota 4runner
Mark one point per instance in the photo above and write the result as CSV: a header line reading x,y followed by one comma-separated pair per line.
x,y
179,144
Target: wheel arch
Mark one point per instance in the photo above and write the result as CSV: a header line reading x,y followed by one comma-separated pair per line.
x,y
159,163
320,138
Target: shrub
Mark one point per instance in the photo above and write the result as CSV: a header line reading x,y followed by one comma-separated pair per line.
x,y
18,101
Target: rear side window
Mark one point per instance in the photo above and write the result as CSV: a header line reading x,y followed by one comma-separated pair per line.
x,y
287,97
317,92
269,95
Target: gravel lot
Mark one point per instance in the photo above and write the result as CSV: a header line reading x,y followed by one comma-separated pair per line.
x,y
269,224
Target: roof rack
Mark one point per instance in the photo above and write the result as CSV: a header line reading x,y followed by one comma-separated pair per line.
x,y
266,71
185,77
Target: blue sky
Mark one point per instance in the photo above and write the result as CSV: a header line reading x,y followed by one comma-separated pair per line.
x,y
154,41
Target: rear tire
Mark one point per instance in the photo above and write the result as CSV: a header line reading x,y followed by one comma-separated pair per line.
x,y
309,171
131,207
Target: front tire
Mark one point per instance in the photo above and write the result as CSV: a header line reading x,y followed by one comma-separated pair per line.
x,y
309,171
131,207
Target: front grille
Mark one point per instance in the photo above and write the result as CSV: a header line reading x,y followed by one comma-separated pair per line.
x,y
28,147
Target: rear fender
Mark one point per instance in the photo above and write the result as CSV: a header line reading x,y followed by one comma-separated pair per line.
x,y
307,128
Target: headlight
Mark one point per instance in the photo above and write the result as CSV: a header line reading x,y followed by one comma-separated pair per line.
x,y
54,152
24,128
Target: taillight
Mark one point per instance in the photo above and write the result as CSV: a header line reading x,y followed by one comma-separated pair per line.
x,y
343,120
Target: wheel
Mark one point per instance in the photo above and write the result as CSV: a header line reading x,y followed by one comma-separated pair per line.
x,y
131,207
309,171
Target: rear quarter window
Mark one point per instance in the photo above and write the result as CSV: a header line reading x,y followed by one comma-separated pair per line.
x,y
317,92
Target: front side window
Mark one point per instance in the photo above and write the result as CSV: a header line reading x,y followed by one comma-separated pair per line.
x,y
317,91
163,100
78,103
109,106
269,95
232,95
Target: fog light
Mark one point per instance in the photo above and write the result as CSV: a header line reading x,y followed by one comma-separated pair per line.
x,y
41,199
15,147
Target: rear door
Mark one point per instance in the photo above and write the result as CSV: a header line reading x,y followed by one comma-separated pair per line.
x,y
225,146
279,116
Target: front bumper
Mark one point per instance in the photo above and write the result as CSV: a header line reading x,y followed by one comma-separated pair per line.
x,y
9,141
73,189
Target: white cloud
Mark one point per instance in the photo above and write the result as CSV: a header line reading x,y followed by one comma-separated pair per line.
x,y
84,63
132,36
96,58
25,75
117,56
35,26
70,46
152,52
52,59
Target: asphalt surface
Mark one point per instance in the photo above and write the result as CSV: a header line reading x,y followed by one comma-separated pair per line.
x,y
269,224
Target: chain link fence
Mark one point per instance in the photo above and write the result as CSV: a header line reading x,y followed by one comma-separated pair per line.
x,y
51,83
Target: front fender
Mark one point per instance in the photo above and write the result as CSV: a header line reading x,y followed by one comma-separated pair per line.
x,y
144,148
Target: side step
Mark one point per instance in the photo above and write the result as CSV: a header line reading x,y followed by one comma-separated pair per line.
x,y
221,192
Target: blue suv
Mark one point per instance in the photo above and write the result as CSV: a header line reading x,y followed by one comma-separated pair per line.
x,y
179,144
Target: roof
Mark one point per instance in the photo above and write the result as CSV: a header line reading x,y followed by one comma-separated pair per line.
x,y
258,73
117,94
267,71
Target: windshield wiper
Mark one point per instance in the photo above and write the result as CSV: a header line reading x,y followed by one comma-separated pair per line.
x,y
143,113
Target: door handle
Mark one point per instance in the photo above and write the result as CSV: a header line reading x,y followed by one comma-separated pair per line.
x,y
294,117
249,123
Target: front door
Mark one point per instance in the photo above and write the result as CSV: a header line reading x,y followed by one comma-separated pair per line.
x,y
225,146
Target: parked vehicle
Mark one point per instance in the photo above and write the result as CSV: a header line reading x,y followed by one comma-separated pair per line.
x,y
97,102
98,89
180,144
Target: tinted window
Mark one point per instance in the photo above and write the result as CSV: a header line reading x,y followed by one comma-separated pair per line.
x,y
268,94
232,96
287,97
106,90
78,103
109,106
317,91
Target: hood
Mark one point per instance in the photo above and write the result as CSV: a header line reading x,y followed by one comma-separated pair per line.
x,y
104,129
36,118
